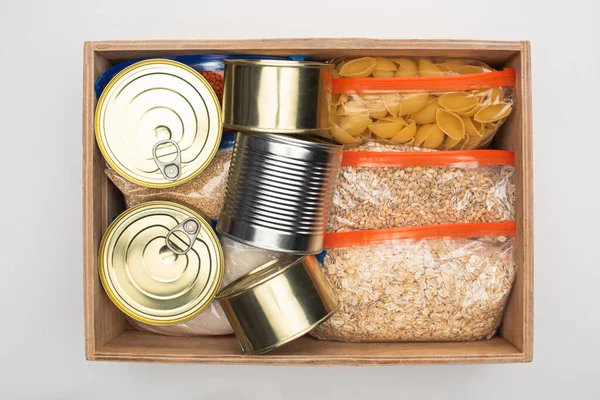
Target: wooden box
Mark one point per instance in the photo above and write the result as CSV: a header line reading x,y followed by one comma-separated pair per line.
x,y
107,334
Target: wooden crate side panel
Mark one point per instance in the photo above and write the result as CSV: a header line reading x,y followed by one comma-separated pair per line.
x,y
494,52
518,320
139,346
103,322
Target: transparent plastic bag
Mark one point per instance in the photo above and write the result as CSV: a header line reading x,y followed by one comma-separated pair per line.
x,y
439,104
239,260
435,283
210,66
384,189
205,193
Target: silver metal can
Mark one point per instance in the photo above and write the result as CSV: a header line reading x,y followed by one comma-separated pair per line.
x,y
279,191
277,96
278,302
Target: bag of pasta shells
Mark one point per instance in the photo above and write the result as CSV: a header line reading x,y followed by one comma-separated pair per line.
x,y
427,283
436,104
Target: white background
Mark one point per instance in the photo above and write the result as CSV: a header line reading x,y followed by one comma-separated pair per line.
x,y
41,328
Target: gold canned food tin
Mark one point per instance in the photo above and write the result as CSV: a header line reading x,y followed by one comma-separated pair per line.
x,y
277,96
158,123
277,302
160,263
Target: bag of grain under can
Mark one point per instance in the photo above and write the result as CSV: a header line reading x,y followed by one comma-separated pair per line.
x,y
433,283
239,260
205,193
384,187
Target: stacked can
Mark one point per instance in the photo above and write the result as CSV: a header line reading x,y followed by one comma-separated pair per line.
x,y
279,190
158,124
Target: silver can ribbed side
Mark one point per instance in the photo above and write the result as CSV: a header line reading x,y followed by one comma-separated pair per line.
x,y
279,191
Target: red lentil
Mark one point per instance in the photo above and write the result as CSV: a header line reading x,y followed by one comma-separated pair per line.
x,y
215,79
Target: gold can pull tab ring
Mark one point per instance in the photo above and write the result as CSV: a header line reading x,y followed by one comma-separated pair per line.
x,y
171,170
190,228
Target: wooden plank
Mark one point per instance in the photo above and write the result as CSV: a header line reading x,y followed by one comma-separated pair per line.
x,y
518,317
88,201
103,321
490,51
146,347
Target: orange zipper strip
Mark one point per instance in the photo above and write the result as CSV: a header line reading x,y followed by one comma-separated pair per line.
x,y
483,80
364,238
432,159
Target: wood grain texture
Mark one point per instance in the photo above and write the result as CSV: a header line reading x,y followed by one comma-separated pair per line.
x,y
140,346
107,337
103,322
517,325
493,52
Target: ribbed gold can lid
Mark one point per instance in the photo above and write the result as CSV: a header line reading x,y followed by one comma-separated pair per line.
x,y
158,123
161,263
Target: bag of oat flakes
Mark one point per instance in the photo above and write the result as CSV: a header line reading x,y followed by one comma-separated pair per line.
x,y
429,283
381,187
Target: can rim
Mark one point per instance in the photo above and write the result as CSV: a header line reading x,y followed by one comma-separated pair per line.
x,y
278,63
99,137
104,277
236,288
307,140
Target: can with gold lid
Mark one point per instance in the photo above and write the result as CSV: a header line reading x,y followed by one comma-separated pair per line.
x,y
160,263
158,123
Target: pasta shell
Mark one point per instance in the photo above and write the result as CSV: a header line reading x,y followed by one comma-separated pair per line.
x,y
384,64
423,133
413,102
366,134
354,124
471,143
470,112
458,101
481,93
472,127
378,114
493,112
406,67
451,65
427,114
375,105
450,123
386,129
443,68
470,69
406,134
482,65
341,135
400,120
427,68
384,74
392,102
358,68
337,99
435,138
352,107
489,129
496,95
450,143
